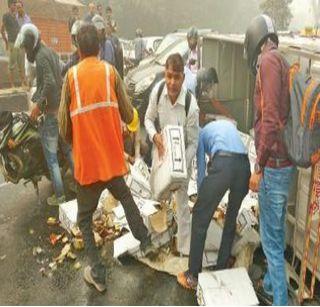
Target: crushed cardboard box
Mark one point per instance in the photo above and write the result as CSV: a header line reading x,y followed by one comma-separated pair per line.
x,y
227,287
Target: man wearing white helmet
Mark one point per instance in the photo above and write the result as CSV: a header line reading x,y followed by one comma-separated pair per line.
x,y
107,52
193,61
46,101
273,169
74,58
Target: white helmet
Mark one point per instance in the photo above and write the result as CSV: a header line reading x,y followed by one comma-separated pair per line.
x,y
98,22
76,27
27,29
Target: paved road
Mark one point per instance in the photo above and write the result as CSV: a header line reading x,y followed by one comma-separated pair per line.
x,y
23,284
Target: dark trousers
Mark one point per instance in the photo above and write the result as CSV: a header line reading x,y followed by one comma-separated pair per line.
x,y
88,198
224,173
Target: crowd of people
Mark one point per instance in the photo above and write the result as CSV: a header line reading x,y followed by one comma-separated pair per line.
x,y
87,106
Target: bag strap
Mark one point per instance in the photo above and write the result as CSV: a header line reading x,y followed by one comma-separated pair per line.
x,y
187,103
187,98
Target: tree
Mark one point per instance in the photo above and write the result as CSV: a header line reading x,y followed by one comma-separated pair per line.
x,y
279,11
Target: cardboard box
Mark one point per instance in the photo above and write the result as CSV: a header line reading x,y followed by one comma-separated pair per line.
x,y
169,172
68,214
227,287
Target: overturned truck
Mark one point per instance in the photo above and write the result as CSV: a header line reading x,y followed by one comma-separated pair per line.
x,y
235,90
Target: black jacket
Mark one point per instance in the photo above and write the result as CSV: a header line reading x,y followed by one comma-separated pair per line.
x,y
49,80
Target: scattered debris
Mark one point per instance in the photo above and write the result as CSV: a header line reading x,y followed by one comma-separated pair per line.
x,y
66,249
72,256
75,231
52,221
98,240
37,251
42,271
78,244
77,266
3,257
65,240
53,266
54,238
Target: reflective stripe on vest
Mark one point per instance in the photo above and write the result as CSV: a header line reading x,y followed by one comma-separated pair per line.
x,y
97,105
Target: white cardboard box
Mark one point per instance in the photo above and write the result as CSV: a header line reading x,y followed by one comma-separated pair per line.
x,y
139,180
226,287
68,214
169,172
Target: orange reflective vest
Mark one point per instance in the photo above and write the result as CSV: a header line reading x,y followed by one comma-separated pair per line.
x,y
98,150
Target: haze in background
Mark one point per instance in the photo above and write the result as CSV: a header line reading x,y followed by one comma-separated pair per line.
x,y
302,14
159,17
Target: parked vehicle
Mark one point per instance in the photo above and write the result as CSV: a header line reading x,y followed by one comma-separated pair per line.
x,y
168,40
21,154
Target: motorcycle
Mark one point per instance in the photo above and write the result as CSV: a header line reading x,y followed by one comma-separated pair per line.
x,y
21,154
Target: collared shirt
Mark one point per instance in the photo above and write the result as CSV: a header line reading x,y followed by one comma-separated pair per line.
x,y
107,52
169,114
190,80
272,103
193,56
22,20
220,135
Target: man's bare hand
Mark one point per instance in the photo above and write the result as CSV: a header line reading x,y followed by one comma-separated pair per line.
x,y
158,140
255,181
35,112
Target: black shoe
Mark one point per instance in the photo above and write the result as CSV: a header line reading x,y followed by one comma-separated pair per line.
x,y
264,298
148,249
90,280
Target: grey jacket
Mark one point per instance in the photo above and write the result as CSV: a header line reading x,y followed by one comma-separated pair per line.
x,y
49,80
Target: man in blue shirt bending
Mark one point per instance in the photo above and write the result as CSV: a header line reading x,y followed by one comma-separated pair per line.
x,y
228,169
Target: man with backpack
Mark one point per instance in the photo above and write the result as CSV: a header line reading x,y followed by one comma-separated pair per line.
x,y
273,168
171,104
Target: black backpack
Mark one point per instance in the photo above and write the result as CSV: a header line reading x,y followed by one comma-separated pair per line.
x,y
186,105
302,131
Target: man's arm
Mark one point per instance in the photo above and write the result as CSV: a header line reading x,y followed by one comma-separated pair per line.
x,y
201,161
3,32
65,125
192,131
151,114
48,82
270,77
125,106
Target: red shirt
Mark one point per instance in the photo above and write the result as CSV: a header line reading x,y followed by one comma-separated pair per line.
x,y
272,103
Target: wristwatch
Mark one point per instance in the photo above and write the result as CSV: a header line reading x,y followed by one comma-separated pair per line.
x,y
257,168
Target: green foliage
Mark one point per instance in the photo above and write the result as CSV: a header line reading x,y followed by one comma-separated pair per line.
x,y
279,10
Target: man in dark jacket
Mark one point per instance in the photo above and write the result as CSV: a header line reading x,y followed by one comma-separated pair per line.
x,y
273,169
46,103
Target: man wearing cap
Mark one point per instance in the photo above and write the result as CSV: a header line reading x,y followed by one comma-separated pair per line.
x,y
92,11
140,48
107,52
193,61
90,118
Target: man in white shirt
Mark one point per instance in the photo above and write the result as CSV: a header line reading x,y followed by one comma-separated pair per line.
x,y
193,61
171,104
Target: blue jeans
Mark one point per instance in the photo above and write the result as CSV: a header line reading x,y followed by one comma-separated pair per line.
x,y
273,198
49,133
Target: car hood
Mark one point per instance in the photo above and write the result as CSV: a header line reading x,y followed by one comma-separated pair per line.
x,y
142,72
